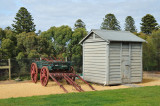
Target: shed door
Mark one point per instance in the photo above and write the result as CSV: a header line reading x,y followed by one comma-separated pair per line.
x,y
125,67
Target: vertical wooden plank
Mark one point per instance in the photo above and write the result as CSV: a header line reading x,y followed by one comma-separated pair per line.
x,y
93,35
9,62
125,62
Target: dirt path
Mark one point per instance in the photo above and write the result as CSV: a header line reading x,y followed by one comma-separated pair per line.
x,y
24,89
27,88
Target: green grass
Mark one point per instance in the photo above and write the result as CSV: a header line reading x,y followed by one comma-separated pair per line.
x,y
144,96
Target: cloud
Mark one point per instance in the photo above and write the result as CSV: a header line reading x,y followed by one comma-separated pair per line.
x,y
47,13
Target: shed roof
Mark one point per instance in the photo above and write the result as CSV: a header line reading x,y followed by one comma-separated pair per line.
x,y
111,35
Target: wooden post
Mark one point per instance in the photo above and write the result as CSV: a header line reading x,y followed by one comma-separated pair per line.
x,y
9,63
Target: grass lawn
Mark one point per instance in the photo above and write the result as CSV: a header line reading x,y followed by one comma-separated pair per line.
x,y
142,96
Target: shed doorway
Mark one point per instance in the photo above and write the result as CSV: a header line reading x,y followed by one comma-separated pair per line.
x,y
125,63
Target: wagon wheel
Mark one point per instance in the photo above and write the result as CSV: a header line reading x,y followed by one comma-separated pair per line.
x,y
44,76
34,72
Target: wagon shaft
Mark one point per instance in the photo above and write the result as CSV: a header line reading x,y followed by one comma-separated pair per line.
x,y
67,77
56,69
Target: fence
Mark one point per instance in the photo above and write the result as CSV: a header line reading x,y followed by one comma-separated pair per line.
x,y
21,69
5,67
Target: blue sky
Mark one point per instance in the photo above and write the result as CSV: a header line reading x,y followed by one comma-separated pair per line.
x,y
48,13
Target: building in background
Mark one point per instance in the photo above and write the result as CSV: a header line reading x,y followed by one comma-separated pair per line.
x,y
112,57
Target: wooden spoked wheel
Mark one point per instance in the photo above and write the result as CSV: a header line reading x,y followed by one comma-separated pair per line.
x,y
44,76
34,72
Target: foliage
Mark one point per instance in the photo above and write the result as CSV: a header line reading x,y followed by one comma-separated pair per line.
x,y
21,67
44,47
156,42
49,34
142,96
62,35
151,51
21,41
21,55
148,24
33,54
59,38
9,34
79,24
2,35
8,43
110,22
23,21
33,46
66,43
26,41
75,49
149,56
130,24
7,47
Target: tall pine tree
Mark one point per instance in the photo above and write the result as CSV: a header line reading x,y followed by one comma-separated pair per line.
x,y
130,24
23,21
79,24
148,24
110,22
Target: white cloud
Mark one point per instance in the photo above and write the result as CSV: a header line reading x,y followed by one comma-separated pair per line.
x,y
47,13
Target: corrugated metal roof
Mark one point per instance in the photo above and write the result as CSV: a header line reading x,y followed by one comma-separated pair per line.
x,y
111,35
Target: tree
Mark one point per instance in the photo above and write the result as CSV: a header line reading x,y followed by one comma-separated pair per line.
x,y
2,34
130,24
8,28
23,22
151,50
49,34
79,24
31,45
45,47
7,48
59,38
110,22
26,42
156,38
39,32
62,36
74,46
9,34
8,43
148,24
75,49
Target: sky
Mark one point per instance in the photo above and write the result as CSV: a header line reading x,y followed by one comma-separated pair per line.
x,y
48,13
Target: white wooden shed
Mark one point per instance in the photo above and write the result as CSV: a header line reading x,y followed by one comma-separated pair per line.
x,y
112,57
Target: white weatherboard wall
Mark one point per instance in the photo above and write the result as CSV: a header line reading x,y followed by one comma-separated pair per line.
x,y
94,60
114,63
136,62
